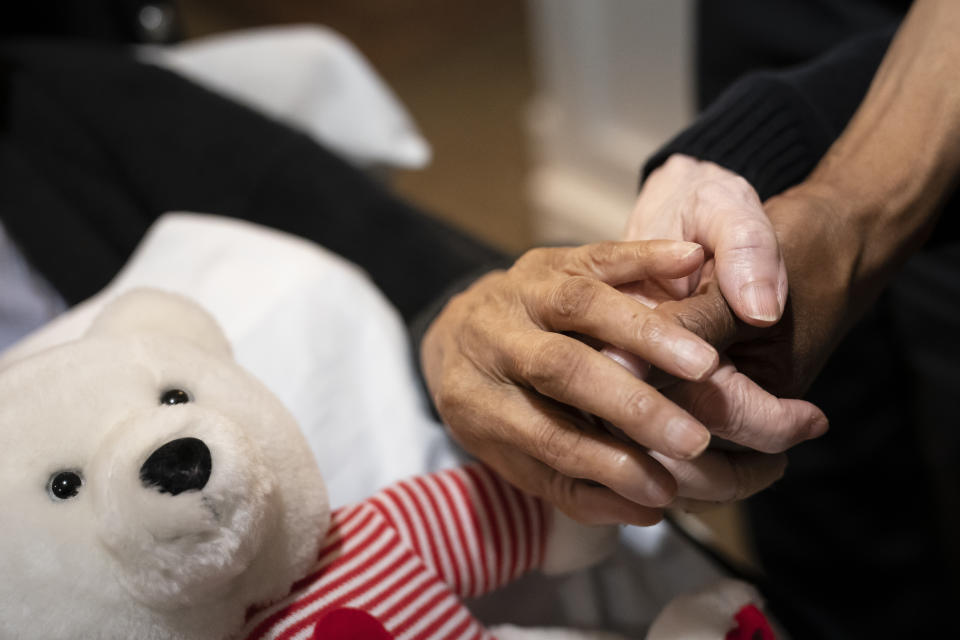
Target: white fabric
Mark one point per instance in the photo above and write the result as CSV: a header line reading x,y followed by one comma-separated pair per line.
x,y
310,78
315,330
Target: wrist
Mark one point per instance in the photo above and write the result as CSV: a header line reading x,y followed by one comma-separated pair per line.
x,y
896,162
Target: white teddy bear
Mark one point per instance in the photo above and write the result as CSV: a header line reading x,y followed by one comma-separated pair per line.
x,y
152,489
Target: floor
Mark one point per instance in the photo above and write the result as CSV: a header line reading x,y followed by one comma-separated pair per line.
x,y
463,70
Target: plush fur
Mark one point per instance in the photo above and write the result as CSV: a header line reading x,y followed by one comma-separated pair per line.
x,y
121,559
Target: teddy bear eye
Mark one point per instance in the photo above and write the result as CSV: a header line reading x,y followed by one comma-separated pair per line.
x,y
174,396
64,485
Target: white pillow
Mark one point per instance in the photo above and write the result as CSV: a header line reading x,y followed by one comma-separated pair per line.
x,y
310,78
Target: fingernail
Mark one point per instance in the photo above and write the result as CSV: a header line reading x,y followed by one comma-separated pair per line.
x,y
818,427
685,438
688,249
694,358
760,301
658,494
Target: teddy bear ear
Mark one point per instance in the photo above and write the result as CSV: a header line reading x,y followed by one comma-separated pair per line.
x,y
155,311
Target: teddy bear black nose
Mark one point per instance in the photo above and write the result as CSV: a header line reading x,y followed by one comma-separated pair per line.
x,y
180,465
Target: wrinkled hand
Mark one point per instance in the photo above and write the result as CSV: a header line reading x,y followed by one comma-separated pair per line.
x,y
734,407
832,283
831,286
503,376
699,201
829,291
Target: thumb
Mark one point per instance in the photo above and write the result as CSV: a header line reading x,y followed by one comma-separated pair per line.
x,y
749,265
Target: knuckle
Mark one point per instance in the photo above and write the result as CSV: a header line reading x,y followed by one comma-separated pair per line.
x,y
706,315
551,368
733,426
639,405
573,297
619,467
556,447
451,401
535,256
561,491
750,234
680,163
598,257
709,190
740,185
569,498
676,160
651,329
724,189
693,319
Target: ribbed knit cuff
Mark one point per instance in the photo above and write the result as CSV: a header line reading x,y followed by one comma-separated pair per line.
x,y
762,128
773,127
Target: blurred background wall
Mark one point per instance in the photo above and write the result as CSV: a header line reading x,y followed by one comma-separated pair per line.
x,y
540,113
612,81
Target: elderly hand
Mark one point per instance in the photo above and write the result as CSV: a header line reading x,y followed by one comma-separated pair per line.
x,y
733,407
699,201
503,376
687,199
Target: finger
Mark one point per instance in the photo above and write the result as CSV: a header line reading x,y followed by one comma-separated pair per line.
x,y
735,408
654,292
621,262
574,374
750,267
583,501
724,476
705,313
559,439
588,306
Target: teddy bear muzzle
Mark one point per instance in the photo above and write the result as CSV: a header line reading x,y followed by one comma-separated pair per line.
x,y
182,500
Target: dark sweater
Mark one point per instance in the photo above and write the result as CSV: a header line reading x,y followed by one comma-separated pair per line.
x,y
772,127
774,124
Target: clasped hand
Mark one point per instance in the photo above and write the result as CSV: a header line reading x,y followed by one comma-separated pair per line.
x,y
515,369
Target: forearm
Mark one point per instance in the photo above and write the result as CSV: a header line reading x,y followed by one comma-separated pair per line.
x,y
896,162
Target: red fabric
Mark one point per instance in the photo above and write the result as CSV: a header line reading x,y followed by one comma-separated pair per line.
x,y
349,624
751,625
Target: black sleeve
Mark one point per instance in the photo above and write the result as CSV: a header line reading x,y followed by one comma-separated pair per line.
x,y
772,128
94,146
